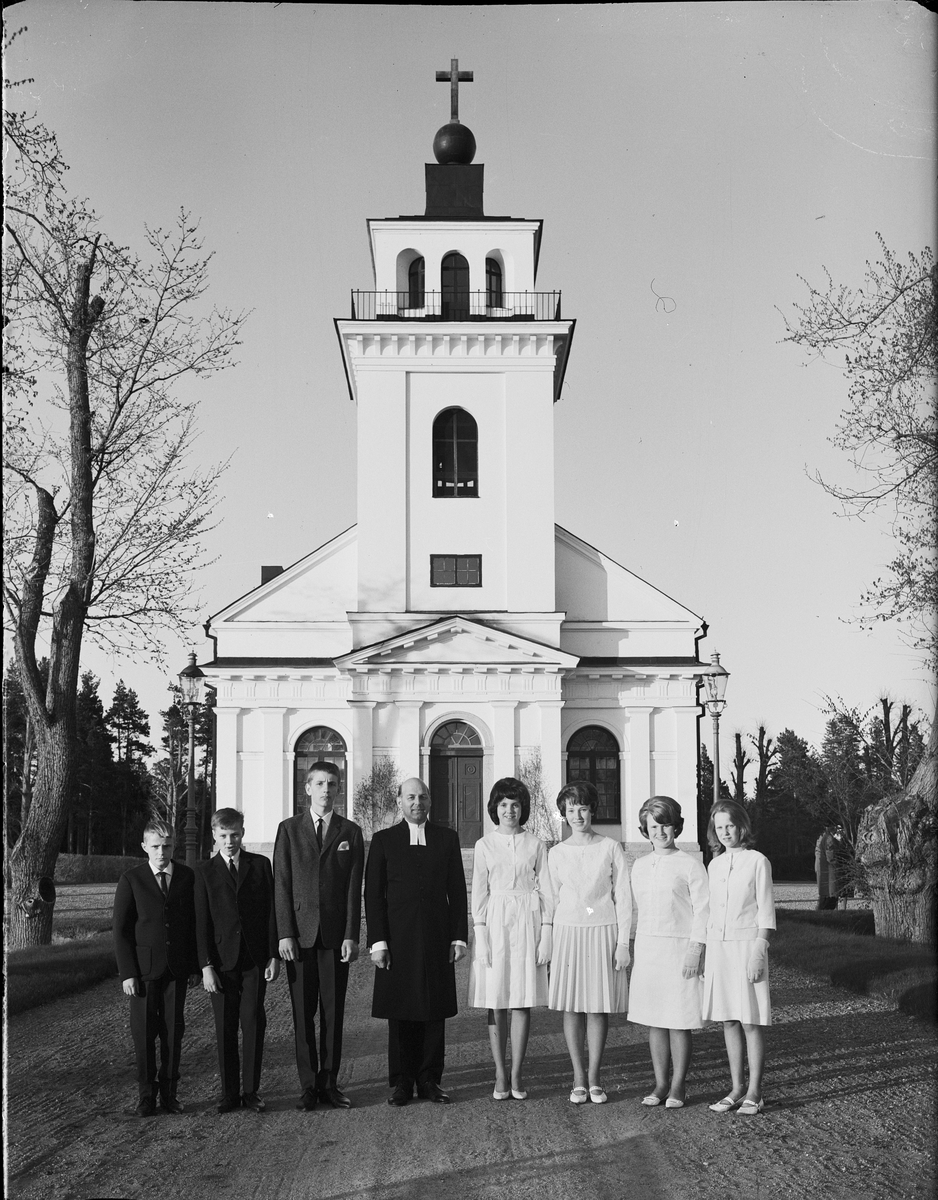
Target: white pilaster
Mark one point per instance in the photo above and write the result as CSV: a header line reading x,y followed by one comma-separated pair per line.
x,y
686,747
408,736
227,793
638,785
362,746
550,748
274,805
503,734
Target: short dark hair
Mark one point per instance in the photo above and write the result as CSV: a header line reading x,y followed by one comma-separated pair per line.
x,y
662,809
227,818
741,820
509,788
161,828
580,791
328,768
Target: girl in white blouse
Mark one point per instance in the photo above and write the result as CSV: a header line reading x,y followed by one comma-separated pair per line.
x,y
592,922
736,979
670,890
511,916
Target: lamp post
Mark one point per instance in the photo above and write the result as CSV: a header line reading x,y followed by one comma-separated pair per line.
x,y
192,685
714,679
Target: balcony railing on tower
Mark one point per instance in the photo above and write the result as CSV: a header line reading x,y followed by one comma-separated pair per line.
x,y
464,306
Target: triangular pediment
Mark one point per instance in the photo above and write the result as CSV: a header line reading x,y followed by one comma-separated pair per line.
x,y
455,641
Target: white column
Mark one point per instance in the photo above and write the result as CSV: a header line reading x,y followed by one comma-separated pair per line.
x,y
685,720
550,748
503,735
362,747
227,794
408,736
275,799
638,787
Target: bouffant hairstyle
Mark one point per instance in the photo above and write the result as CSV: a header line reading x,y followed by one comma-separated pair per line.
x,y
740,820
581,791
662,809
509,789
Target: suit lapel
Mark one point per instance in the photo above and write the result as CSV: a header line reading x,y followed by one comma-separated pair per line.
x,y
222,865
332,833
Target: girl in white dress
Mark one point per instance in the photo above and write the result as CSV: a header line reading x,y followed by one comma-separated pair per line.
x,y
592,922
670,890
736,975
511,915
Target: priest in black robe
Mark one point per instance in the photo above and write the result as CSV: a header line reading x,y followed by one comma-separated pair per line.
x,y
418,926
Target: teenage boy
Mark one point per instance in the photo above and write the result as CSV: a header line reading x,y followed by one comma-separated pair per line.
x,y
154,940
319,858
237,940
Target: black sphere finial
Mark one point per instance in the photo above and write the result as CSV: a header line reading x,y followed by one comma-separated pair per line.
x,y
454,143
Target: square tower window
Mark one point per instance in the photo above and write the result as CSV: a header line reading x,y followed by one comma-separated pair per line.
x,y
455,570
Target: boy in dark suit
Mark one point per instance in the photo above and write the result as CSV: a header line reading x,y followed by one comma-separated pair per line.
x,y
154,940
237,939
319,858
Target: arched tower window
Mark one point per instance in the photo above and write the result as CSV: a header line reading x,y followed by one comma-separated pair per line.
x,y
454,287
319,744
455,454
416,275
593,754
494,295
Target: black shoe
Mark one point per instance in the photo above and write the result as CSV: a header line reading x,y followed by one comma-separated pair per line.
x,y
332,1095
307,1100
170,1104
229,1104
252,1101
399,1097
146,1107
433,1091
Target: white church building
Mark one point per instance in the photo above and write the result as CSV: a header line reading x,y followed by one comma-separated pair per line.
x,y
456,628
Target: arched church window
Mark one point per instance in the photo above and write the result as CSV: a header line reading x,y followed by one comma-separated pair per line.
x,y
456,735
454,287
455,454
416,276
319,744
593,754
493,283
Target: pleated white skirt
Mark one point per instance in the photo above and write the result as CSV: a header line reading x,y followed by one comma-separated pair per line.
x,y
659,995
514,980
728,995
582,971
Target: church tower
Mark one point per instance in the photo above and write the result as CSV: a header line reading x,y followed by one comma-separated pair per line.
x,y
456,632
454,362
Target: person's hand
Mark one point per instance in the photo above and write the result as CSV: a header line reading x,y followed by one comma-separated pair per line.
x,y
349,950
755,969
273,970
210,980
456,953
623,958
692,959
131,987
545,946
288,949
381,958
483,951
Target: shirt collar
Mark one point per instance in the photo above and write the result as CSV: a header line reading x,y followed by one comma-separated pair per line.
x,y
325,818
235,858
167,870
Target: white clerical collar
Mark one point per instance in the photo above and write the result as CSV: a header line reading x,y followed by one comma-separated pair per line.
x,y
418,834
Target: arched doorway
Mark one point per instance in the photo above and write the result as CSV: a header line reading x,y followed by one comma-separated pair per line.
x,y
454,283
319,744
593,754
456,780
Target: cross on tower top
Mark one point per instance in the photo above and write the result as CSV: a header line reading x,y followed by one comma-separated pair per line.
x,y
454,77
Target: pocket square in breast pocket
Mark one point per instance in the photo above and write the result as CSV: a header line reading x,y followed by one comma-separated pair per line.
x,y
343,846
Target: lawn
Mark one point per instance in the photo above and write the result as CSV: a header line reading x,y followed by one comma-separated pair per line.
x,y
43,973
838,947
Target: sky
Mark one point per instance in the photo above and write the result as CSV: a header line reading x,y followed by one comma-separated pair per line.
x,y
690,162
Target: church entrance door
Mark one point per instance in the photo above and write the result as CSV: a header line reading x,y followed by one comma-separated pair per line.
x,y
456,780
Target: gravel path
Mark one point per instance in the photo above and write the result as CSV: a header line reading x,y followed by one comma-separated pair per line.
x,y
850,1088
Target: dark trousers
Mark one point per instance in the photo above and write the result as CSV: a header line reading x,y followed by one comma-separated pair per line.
x,y
159,1013
318,982
240,1002
416,1052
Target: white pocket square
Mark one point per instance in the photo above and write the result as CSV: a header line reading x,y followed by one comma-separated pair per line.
x,y
343,845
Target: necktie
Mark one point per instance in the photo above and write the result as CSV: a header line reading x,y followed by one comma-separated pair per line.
x,y
234,870
164,886
319,833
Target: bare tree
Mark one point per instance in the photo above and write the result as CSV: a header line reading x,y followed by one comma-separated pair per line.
x,y
376,796
741,761
103,516
885,336
541,821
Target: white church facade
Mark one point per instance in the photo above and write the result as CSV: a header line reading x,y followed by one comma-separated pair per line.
x,y
456,629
